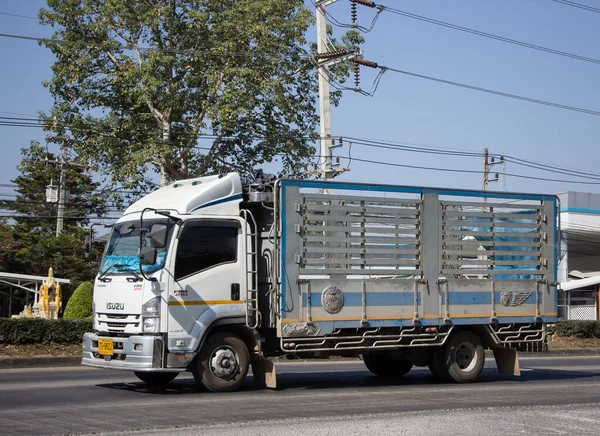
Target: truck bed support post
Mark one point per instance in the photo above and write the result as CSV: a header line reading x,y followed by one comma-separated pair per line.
x,y
507,360
263,371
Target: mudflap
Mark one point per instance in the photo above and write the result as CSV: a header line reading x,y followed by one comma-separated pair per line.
x,y
263,370
507,360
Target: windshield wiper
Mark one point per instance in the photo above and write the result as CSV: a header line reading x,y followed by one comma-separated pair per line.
x,y
135,278
102,277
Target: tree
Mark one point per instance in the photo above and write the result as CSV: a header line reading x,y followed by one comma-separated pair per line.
x,y
39,168
30,245
140,83
80,303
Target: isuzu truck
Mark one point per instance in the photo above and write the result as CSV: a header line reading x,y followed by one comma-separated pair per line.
x,y
216,274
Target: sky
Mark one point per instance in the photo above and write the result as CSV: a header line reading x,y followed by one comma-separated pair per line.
x,y
410,110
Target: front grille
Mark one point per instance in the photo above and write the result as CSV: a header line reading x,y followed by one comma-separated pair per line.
x,y
118,323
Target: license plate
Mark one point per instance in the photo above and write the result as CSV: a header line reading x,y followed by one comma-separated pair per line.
x,y
105,346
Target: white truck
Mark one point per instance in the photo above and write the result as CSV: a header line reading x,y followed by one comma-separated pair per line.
x,y
211,275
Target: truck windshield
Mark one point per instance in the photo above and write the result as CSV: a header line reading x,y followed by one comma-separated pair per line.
x,y
121,254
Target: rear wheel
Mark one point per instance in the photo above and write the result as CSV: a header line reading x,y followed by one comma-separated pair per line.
x,y
432,367
438,366
222,364
156,378
385,364
463,358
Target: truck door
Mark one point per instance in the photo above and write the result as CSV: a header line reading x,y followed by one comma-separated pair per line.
x,y
208,275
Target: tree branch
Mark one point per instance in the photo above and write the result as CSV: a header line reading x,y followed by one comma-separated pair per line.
x,y
157,114
202,114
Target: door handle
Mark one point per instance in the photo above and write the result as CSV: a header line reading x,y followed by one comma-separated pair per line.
x,y
235,291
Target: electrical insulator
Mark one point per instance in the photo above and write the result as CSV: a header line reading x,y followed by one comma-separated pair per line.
x,y
366,63
332,54
356,69
354,13
367,3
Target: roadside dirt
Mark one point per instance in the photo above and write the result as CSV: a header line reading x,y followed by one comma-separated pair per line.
x,y
566,343
46,350
39,350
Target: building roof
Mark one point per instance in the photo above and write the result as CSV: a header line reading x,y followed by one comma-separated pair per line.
x,y
571,285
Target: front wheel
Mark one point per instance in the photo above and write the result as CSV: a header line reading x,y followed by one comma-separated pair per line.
x,y
222,364
156,378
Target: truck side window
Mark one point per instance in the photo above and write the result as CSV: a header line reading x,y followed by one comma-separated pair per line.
x,y
203,247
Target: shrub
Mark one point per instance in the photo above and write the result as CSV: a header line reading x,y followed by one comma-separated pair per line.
x,y
43,331
80,303
579,329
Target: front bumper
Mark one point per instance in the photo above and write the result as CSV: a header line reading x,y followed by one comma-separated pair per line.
x,y
135,353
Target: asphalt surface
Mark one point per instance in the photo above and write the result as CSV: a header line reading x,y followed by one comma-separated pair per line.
x,y
553,395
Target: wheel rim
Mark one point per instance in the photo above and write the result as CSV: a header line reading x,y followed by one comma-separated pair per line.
x,y
224,363
465,357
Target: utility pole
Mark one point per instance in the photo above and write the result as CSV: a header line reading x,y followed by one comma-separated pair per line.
x,y
324,100
485,171
62,191
59,194
325,59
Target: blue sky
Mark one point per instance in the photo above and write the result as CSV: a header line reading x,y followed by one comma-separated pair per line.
x,y
411,110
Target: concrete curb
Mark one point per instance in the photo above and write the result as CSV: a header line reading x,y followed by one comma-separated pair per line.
x,y
69,361
39,362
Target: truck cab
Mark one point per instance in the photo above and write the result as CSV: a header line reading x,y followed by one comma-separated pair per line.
x,y
175,266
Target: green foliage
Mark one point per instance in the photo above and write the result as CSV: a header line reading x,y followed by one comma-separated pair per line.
x,y
30,245
138,83
578,329
43,331
80,303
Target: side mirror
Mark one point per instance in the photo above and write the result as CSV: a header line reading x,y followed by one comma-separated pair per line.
x,y
158,235
147,256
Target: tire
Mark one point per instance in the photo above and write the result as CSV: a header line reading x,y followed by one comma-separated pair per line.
x,y
156,378
464,357
386,365
432,367
222,364
438,366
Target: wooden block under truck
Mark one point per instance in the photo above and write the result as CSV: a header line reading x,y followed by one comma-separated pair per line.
x,y
214,274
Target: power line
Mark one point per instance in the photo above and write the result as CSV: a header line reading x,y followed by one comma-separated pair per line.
x,y
507,158
66,217
448,152
87,44
578,5
499,93
16,113
492,36
18,16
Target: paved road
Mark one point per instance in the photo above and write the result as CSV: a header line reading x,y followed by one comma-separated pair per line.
x,y
554,395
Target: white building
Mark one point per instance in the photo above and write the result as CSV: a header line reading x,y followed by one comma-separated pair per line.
x,y
579,270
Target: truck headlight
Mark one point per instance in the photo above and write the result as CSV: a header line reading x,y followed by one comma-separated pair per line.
x,y
151,308
151,316
151,325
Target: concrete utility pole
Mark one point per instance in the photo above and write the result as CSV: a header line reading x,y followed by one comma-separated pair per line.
x,y
324,100
485,171
62,192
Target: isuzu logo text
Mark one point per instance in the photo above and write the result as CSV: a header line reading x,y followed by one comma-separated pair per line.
x,y
115,306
